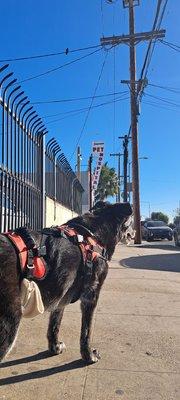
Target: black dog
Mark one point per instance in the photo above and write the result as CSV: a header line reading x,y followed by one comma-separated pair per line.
x,y
67,278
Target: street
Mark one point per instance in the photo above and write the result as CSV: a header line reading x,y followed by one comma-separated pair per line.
x,y
136,329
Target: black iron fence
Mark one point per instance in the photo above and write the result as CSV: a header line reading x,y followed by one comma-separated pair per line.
x,y
27,171
62,184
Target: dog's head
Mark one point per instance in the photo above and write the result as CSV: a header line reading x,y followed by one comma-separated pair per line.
x,y
119,212
107,222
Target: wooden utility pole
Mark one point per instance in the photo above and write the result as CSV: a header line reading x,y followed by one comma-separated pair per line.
x,y
132,39
134,129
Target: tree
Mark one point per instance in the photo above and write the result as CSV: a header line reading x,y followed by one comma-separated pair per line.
x,y
108,183
159,216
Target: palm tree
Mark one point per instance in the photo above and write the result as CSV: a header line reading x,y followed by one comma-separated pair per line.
x,y
108,183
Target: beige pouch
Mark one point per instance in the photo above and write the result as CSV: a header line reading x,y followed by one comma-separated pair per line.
x,y
31,300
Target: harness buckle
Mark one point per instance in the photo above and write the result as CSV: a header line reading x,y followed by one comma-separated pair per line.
x,y
30,266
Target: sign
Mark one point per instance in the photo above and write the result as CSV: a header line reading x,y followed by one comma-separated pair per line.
x,y
98,153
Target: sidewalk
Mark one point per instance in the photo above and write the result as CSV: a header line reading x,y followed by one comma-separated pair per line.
x,y
136,329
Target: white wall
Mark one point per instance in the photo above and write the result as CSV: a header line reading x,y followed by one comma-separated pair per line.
x,y
56,214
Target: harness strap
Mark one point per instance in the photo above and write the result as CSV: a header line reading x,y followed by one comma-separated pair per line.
x,y
29,258
20,245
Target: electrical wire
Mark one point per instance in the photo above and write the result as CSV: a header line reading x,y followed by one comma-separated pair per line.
x,y
90,106
147,56
85,108
157,105
66,52
60,66
151,45
168,101
78,98
169,89
171,45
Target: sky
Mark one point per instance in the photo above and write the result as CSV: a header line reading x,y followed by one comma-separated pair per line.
x,y
42,27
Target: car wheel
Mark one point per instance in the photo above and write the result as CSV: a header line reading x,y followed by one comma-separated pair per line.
x,y
170,239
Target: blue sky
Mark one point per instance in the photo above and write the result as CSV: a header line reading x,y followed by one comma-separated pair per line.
x,y
32,28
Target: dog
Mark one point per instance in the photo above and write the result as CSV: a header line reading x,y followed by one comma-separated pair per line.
x,y
68,278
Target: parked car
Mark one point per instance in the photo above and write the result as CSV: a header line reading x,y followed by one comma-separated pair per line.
x,y
176,232
152,230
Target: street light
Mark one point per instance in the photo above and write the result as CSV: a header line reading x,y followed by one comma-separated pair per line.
x,y
139,158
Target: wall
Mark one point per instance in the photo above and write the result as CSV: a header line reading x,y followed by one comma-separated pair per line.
x,y
56,214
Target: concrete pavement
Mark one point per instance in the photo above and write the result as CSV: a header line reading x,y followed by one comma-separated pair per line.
x,y
136,329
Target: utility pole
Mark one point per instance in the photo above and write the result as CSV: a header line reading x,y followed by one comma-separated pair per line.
x,y
132,39
90,181
119,176
79,163
125,164
134,129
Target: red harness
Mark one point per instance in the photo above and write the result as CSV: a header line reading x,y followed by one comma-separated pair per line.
x,y
89,247
38,267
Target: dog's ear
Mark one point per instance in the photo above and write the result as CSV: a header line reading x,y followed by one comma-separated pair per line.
x,y
99,205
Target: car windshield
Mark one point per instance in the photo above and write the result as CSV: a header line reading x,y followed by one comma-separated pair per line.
x,y
155,224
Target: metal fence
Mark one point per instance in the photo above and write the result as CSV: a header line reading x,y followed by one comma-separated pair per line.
x,y
26,169
62,185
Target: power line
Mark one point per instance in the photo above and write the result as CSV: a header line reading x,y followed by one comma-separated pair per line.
x,y
90,106
148,55
168,88
66,52
157,105
60,66
171,45
156,26
78,98
168,101
84,109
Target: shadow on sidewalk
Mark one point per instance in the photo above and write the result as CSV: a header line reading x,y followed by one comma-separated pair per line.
x,y
35,357
159,245
42,373
158,262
